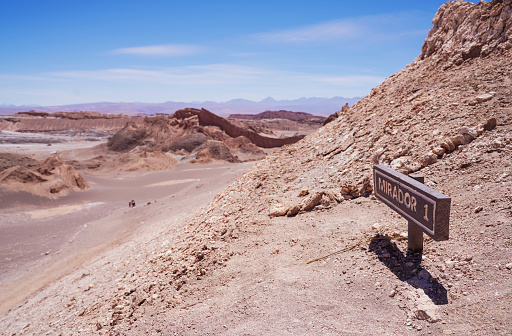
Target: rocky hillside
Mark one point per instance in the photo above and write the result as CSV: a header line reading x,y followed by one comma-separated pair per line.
x,y
450,121
435,111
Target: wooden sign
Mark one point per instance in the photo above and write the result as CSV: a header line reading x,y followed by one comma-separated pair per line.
x,y
424,207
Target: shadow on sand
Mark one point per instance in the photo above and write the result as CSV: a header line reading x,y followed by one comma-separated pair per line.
x,y
408,268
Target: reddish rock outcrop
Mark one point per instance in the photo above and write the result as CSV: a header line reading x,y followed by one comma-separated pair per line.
x,y
281,114
206,118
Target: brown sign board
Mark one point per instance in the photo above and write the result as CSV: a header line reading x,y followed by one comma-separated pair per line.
x,y
427,208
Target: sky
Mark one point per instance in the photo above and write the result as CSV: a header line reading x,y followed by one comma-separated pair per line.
x,y
56,52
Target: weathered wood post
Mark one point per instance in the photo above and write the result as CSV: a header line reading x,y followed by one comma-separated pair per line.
x,y
425,209
414,233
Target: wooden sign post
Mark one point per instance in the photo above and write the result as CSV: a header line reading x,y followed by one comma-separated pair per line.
x,y
426,209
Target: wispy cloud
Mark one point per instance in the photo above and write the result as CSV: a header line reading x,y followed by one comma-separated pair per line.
x,y
24,77
216,82
214,76
161,50
334,30
184,75
351,80
365,27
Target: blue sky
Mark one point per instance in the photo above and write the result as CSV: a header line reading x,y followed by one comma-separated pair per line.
x,y
77,51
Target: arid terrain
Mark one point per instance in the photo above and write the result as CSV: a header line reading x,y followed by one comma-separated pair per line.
x,y
299,245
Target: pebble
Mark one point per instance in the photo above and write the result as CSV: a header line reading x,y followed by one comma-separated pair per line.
x,y
508,266
478,209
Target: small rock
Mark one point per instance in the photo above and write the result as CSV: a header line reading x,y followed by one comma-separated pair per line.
x,y
118,309
429,159
348,189
294,210
312,201
480,129
508,266
468,138
279,210
484,97
339,197
478,209
458,140
448,145
392,293
303,192
439,151
427,312
490,124
466,130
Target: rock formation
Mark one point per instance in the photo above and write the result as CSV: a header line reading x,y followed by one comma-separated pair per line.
x,y
463,31
281,114
51,178
207,118
198,131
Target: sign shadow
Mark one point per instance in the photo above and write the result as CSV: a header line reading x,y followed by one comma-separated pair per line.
x,y
408,268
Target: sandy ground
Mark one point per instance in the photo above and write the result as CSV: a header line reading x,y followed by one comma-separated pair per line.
x,y
41,242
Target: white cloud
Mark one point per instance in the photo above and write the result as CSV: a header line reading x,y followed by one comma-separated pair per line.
x,y
161,50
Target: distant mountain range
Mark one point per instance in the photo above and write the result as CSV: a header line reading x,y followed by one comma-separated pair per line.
x,y
315,106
